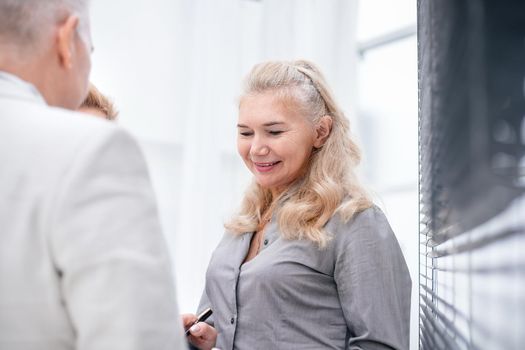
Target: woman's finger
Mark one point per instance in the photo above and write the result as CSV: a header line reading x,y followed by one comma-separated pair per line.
x,y
188,320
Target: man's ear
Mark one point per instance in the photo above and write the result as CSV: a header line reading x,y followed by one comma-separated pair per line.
x,y
322,131
67,32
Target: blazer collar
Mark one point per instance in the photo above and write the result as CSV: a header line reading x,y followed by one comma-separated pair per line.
x,y
12,86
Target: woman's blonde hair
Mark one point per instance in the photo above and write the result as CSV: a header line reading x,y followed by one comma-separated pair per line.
x,y
95,99
330,183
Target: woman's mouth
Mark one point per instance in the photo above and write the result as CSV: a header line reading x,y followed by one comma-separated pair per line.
x,y
266,166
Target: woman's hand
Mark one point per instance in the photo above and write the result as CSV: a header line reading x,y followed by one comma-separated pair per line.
x,y
202,335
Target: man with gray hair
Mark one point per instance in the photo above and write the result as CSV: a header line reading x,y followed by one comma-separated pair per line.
x,y
83,264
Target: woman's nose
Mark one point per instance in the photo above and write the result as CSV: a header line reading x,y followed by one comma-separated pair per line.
x,y
259,148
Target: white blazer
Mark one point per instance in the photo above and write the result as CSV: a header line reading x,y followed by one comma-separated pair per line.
x,y
83,263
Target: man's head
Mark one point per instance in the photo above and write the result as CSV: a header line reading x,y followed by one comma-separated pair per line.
x,y
48,43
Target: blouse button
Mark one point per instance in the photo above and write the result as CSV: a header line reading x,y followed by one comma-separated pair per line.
x,y
266,242
232,321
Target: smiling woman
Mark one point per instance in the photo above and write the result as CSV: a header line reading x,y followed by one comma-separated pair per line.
x,y
308,248
288,118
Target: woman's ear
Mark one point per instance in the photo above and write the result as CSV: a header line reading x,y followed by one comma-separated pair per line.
x,y
322,131
66,41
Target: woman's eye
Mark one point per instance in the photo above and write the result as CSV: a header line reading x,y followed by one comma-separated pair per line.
x,y
246,133
275,132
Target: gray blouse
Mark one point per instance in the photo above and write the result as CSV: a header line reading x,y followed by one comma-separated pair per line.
x,y
353,294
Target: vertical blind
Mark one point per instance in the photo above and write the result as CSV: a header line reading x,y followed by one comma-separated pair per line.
x,y
472,174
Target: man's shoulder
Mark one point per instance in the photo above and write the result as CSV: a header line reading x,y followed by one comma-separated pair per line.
x,y
53,125
53,137
54,120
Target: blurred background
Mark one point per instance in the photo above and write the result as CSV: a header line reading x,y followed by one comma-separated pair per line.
x,y
174,70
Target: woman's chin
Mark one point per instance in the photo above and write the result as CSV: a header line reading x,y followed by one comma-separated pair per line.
x,y
275,189
264,185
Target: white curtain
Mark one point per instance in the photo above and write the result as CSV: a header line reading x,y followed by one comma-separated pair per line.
x,y
174,69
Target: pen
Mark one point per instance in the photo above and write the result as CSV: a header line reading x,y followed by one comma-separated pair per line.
x,y
203,316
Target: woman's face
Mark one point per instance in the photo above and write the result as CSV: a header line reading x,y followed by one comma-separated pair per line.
x,y
274,140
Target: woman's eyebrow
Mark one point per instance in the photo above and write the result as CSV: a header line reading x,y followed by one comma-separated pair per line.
x,y
272,123
265,124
